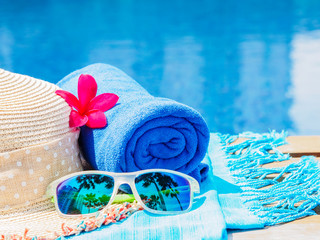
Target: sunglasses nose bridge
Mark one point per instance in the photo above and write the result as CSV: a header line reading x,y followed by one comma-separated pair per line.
x,y
123,180
123,183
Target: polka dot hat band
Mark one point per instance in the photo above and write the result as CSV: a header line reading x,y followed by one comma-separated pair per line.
x,y
36,147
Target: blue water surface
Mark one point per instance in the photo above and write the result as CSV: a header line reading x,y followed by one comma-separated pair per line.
x,y
245,65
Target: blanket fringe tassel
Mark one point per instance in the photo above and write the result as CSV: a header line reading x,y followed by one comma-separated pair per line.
x,y
276,195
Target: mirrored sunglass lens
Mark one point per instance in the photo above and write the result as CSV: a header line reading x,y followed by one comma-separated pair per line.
x,y
164,191
84,194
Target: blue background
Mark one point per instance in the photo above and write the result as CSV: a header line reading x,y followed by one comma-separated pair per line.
x,y
244,65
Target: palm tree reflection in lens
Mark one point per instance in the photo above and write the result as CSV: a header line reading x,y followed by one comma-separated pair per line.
x,y
84,194
163,191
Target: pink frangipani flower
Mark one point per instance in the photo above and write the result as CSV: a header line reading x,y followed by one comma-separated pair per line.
x,y
89,109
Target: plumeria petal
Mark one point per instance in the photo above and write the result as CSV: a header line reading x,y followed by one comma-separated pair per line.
x,y
87,90
69,98
103,102
96,119
77,120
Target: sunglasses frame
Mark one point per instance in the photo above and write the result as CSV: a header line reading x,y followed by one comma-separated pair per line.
x,y
119,179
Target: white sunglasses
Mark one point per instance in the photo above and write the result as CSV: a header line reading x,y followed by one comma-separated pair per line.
x,y
159,191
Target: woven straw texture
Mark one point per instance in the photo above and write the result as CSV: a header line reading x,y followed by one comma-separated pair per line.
x,y
41,219
30,112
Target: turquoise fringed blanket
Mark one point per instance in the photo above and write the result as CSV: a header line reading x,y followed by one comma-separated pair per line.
x,y
241,192
251,193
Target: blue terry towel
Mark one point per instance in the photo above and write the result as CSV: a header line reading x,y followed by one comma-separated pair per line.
x,y
143,131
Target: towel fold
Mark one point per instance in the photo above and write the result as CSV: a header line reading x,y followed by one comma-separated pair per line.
x,y
143,131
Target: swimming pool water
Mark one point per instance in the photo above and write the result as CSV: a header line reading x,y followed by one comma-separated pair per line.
x,y
245,65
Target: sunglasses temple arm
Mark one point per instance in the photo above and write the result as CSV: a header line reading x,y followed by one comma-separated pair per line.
x,y
50,190
195,187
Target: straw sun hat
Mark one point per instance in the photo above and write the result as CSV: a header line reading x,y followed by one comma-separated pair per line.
x,y
37,146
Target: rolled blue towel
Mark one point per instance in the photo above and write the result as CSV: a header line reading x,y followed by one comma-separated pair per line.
x,y
143,131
